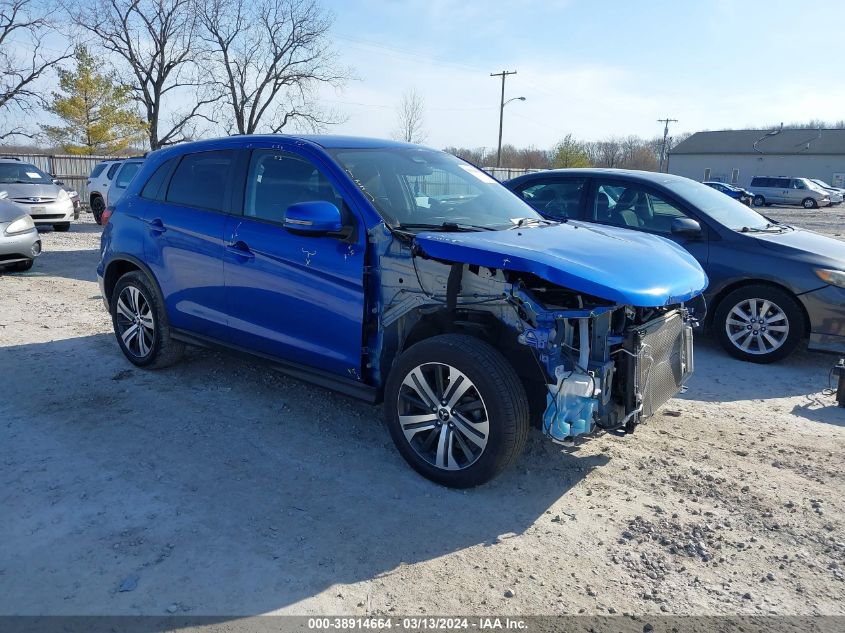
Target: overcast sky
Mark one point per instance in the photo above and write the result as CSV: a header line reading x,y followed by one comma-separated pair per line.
x,y
587,67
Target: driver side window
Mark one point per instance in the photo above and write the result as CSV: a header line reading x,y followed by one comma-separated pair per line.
x,y
276,180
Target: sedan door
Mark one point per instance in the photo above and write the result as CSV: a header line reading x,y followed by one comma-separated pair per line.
x,y
296,297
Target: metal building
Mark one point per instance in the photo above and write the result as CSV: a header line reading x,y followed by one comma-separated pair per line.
x,y
736,156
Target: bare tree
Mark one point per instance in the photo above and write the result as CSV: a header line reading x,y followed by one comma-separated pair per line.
x,y
157,45
409,118
23,60
268,57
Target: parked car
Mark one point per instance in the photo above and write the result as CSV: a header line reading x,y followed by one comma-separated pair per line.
x,y
20,243
737,193
37,194
837,194
768,191
125,173
98,185
772,285
394,272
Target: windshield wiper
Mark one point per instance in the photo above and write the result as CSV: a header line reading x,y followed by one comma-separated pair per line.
x,y
769,228
446,226
526,221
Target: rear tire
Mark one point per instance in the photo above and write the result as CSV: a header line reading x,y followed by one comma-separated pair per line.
x,y
759,201
62,228
473,436
809,203
759,323
98,205
135,303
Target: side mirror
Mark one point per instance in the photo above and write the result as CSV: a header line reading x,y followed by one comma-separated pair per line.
x,y
313,218
58,182
686,227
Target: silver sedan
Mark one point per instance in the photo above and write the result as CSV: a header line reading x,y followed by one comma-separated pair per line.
x,y
20,243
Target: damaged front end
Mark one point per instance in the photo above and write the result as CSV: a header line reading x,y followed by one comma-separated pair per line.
x,y
607,352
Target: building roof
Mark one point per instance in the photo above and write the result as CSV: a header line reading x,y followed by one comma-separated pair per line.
x,y
803,141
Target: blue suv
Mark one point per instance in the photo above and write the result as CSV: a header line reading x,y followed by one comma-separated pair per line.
x,y
401,274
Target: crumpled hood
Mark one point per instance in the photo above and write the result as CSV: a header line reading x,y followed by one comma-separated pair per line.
x,y
805,245
620,265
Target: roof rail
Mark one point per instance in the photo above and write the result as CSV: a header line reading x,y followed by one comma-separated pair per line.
x,y
11,157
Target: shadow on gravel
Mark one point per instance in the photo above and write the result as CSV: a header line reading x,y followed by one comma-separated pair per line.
x,y
78,264
719,377
223,488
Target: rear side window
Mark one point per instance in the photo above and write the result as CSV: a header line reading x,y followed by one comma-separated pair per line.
x,y
153,190
556,198
112,171
126,175
200,180
98,169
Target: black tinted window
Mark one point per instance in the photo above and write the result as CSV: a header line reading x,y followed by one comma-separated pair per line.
x,y
153,188
555,198
200,180
112,171
97,170
277,180
781,183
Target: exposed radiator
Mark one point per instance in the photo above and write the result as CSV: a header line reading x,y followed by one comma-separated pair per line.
x,y
663,349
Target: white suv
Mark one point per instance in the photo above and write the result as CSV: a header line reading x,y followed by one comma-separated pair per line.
x,y
98,185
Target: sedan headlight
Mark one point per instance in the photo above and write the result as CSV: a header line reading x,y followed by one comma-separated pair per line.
x,y
832,277
21,225
62,195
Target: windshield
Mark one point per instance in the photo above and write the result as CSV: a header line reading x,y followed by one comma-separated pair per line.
x,y
822,183
419,188
723,209
23,173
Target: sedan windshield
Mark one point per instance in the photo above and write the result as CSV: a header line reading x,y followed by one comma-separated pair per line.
x,y
723,209
416,188
23,173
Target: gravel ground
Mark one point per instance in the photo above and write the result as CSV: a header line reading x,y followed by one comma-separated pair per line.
x,y
221,487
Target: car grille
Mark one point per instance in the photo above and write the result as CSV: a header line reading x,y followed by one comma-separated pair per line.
x,y
34,200
664,360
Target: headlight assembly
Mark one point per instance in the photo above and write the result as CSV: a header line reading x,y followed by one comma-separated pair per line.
x,y
62,195
832,277
21,225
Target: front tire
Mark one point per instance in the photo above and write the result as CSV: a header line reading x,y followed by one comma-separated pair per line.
x,y
20,267
759,323
62,228
759,201
456,410
809,203
140,323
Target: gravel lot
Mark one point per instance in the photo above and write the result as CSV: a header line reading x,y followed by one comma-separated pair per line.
x,y
221,487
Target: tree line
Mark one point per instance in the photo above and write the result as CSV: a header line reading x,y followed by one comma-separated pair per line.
x,y
163,71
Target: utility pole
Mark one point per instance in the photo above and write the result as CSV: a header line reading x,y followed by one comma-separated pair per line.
x,y
667,121
502,74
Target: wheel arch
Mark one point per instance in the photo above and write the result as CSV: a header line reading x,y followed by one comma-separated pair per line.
x,y
741,283
118,266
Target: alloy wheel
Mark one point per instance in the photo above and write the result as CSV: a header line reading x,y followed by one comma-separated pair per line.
x,y
135,322
443,416
757,326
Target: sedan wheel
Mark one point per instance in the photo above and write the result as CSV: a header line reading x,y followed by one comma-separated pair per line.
x,y
759,201
759,323
135,322
443,416
757,326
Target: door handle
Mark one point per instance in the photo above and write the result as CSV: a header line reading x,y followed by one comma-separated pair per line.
x,y
240,249
157,226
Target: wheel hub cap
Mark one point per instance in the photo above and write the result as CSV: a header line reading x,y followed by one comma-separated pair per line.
x,y
443,416
757,326
135,322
